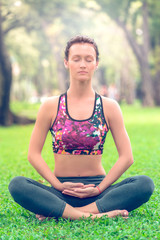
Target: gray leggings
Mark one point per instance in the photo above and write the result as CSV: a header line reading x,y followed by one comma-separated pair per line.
x,y
40,199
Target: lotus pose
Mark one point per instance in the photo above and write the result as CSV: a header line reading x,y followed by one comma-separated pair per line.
x,y
79,121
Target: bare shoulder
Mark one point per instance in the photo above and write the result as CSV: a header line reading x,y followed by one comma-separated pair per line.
x,y
111,110
48,109
50,103
108,102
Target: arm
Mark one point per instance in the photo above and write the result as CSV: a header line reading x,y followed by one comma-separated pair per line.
x,y
122,142
41,128
45,117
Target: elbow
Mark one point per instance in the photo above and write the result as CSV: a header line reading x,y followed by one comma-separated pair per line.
x,y
29,157
130,160
33,157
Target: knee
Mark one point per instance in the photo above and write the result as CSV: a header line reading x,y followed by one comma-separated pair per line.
x,y
15,185
147,186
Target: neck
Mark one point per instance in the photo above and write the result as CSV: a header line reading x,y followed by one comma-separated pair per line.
x,y
81,90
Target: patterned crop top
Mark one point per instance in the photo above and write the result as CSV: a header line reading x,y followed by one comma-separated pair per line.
x,y
79,137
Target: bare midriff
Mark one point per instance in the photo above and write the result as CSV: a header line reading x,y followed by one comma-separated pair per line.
x,y
78,165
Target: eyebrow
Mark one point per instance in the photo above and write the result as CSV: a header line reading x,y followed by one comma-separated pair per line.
x,y
80,56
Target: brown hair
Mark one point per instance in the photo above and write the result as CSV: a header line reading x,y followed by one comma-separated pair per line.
x,y
81,39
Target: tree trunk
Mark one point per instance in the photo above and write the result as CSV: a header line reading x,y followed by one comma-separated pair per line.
x,y
100,81
6,116
157,88
147,83
5,80
147,87
142,54
62,74
127,82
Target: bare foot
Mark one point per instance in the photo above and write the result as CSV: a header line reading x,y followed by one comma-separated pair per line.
x,y
41,217
112,214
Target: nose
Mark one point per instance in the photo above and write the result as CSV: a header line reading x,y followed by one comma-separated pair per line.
x,y
82,64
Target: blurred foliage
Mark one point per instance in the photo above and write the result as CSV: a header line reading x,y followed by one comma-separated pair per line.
x,y
36,32
140,21
42,29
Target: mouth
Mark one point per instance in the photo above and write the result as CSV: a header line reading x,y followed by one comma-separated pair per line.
x,y
82,72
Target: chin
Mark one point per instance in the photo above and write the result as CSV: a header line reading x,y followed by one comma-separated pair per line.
x,y
83,78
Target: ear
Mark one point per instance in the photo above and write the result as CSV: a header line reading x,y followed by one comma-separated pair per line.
x,y
97,64
66,63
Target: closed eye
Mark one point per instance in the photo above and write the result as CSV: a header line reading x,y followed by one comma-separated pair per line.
x,y
76,59
89,59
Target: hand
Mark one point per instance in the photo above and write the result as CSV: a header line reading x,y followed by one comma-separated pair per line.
x,y
72,186
82,192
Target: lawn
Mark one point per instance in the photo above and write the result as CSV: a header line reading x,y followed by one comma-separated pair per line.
x,y
143,126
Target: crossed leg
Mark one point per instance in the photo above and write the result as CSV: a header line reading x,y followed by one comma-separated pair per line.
x,y
87,211
74,213
116,200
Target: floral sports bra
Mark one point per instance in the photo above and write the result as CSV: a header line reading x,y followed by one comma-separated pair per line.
x,y
79,137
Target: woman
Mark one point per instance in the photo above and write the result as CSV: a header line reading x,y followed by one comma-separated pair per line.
x,y
79,121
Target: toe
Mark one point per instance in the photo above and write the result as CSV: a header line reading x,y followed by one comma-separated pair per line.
x,y
42,218
125,213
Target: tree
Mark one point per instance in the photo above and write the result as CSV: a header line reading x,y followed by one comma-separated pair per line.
x,y
5,79
30,17
154,14
6,116
132,16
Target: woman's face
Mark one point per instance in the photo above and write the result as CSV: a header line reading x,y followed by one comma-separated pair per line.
x,y
81,61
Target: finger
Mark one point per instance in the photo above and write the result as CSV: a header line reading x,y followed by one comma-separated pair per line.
x,y
74,194
70,193
89,185
80,190
77,185
84,190
66,191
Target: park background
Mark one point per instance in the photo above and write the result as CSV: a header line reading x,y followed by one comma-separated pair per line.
x,y
33,35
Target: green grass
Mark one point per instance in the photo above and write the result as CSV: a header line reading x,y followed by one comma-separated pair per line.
x,y
143,126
